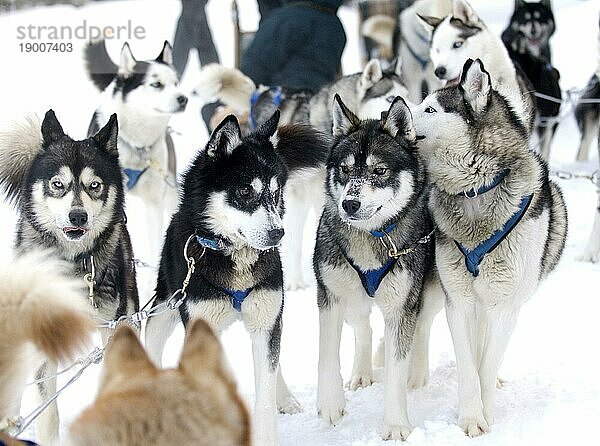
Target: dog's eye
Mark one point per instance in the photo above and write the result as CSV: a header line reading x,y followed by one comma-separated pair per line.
x,y
379,171
157,84
345,169
57,185
390,98
430,109
457,44
244,191
95,185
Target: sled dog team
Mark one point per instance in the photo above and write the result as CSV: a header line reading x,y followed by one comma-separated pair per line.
x,y
423,206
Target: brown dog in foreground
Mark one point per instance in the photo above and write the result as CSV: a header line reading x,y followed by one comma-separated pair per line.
x,y
139,404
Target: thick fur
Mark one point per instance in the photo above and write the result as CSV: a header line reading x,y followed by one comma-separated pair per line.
x,y
527,39
369,92
70,199
468,134
233,191
42,316
229,85
144,95
140,405
380,28
462,35
373,163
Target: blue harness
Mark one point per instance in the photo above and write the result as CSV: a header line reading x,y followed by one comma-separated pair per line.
x,y
371,279
133,176
422,60
473,258
236,296
27,442
256,96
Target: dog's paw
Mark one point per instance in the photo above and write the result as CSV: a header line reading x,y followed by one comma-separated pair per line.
x,y
297,283
500,383
396,432
360,380
289,405
417,378
331,407
589,256
474,426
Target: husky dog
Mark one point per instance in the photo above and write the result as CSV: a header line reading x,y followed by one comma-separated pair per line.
x,y
501,226
228,227
54,319
70,197
531,25
462,35
370,92
144,94
373,244
527,39
138,404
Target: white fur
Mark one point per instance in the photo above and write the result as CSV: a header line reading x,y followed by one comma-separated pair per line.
x,y
592,249
227,84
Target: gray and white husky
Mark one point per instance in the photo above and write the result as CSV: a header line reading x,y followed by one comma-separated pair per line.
x,y
462,35
501,226
70,198
374,244
144,95
369,92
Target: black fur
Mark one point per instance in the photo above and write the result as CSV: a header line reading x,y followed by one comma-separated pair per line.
x,y
100,67
590,110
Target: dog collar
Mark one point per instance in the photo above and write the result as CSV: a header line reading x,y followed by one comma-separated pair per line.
x,y
473,258
472,193
384,232
212,244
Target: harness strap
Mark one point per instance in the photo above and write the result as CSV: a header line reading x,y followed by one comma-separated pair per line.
x,y
237,297
133,176
384,231
473,258
423,61
371,279
472,193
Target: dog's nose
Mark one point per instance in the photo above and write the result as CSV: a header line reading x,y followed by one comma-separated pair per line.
x,y
78,217
351,206
182,100
440,72
275,234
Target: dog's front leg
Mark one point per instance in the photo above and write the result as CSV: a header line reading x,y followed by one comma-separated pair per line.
x,y
500,324
286,401
462,320
330,388
592,249
397,338
48,422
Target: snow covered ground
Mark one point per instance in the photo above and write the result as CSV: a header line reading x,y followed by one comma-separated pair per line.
x,y
552,366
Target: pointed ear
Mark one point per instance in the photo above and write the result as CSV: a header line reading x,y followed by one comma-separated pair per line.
x,y
226,137
429,22
476,84
462,11
201,351
371,74
107,136
268,128
127,63
124,356
166,55
547,4
398,67
519,3
343,119
51,128
398,121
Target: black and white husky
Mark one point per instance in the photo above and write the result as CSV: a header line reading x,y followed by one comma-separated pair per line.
x,y
70,198
230,223
501,226
374,244
144,95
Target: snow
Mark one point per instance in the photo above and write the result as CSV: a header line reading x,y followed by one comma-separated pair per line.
x,y
551,395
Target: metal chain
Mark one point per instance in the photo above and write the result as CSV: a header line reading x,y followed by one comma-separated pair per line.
x,y
393,251
565,175
90,281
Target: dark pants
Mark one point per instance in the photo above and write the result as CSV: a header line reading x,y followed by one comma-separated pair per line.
x,y
266,6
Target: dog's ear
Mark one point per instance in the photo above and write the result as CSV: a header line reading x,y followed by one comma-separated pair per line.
x,y
398,122
226,137
476,85
201,352
51,129
398,66
124,357
343,119
269,127
107,136
519,4
166,55
429,22
372,73
547,4
127,61
462,11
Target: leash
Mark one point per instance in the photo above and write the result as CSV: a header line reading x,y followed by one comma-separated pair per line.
x,y
392,250
90,280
